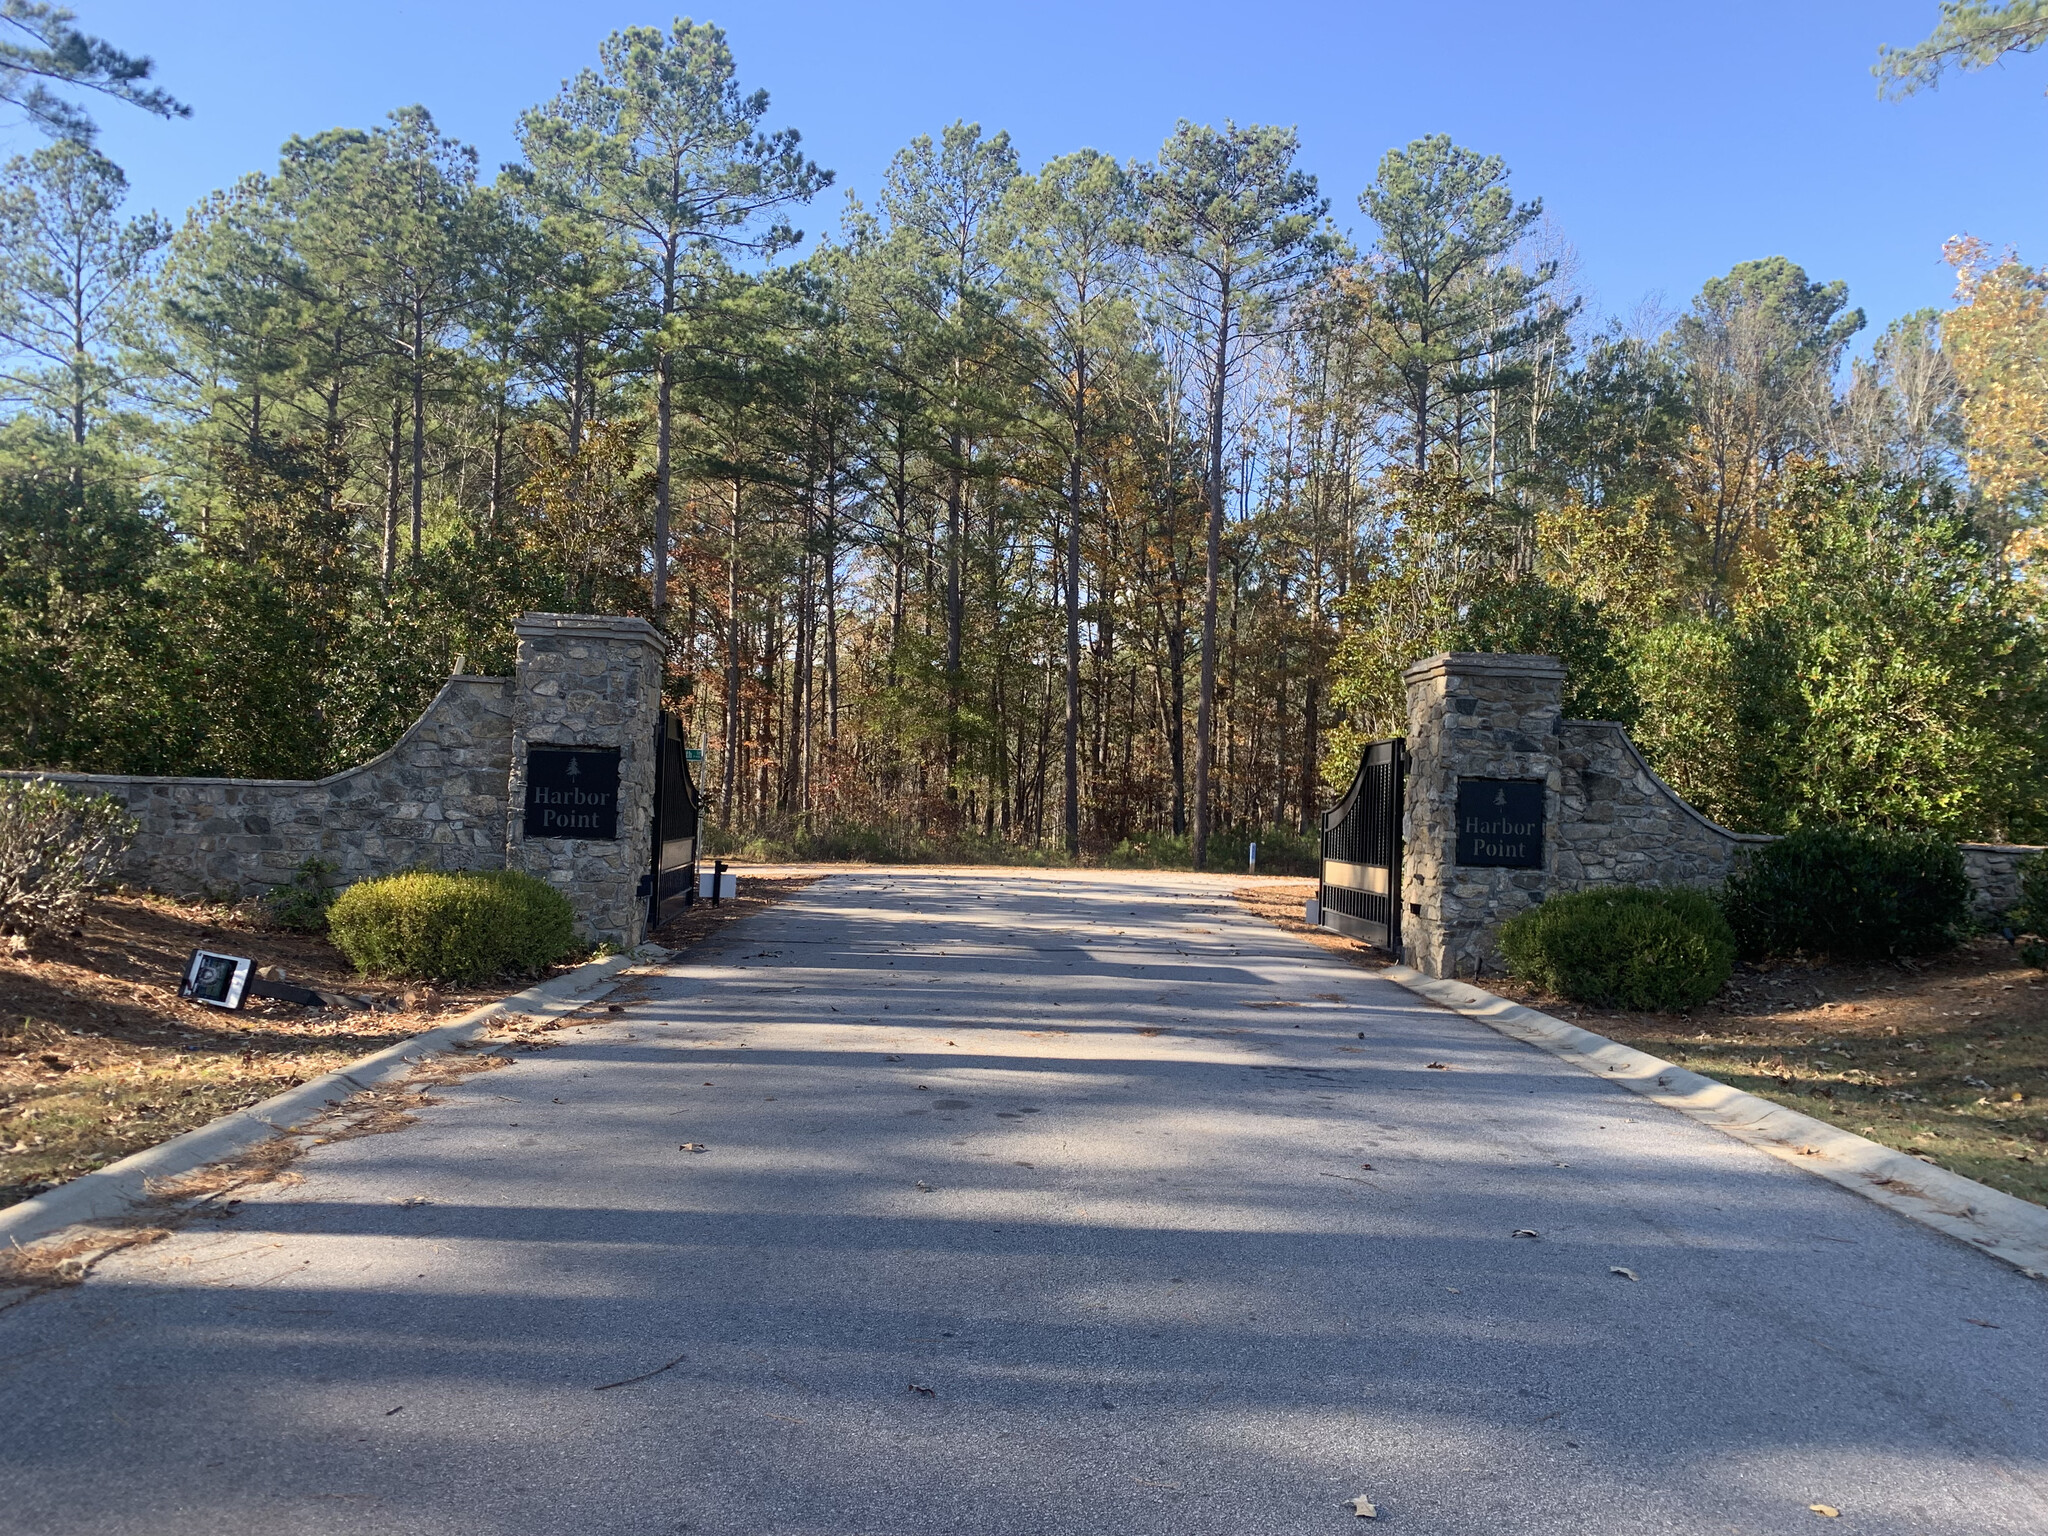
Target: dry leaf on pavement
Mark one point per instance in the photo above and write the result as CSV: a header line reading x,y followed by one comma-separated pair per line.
x,y
1826,1511
1626,1274
1363,1508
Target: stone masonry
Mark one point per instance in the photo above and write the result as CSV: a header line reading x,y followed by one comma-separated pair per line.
x,y
590,682
449,795
436,800
1609,820
1470,716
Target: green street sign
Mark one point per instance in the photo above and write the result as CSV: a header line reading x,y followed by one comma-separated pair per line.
x,y
694,754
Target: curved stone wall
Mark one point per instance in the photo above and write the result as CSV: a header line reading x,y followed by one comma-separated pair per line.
x,y
437,800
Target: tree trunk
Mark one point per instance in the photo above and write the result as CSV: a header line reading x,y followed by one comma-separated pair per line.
x,y
391,461
419,422
1205,718
663,418
1073,597
732,655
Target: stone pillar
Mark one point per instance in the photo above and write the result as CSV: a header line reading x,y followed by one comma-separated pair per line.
x,y
591,682
1488,718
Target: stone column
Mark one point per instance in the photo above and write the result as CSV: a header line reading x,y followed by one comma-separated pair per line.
x,y
588,681
1473,716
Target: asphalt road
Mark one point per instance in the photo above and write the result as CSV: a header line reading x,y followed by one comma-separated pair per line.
x,y
1032,1204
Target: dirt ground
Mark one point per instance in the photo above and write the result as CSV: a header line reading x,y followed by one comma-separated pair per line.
x,y
1945,1058
100,1058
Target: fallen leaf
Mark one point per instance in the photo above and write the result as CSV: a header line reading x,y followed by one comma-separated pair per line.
x,y
1626,1274
1438,1066
1363,1508
691,1146
1980,1322
1525,1232
1826,1511
922,1391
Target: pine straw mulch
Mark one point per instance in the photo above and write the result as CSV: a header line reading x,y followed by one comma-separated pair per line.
x,y
99,1057
1945,1057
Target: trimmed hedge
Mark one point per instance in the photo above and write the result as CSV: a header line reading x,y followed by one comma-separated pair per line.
x,y
452,927
1630,946
1851,894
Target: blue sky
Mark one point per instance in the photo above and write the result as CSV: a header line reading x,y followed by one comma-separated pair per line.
x,y
1668,141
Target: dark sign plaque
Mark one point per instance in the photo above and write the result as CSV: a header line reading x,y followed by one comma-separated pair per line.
x,y
572,792
1500,823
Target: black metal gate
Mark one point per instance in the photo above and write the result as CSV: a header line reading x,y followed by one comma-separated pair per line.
x,y
1361,876
674,883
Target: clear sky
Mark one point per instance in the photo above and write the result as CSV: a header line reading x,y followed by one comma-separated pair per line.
x,y
1668,141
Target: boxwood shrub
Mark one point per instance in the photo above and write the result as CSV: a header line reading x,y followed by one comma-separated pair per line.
x,y
1628,946
1849,893
433,926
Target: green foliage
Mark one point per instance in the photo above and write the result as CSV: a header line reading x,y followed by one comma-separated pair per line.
x,y
1625,947
1440,546
1972,34
55,846
303,902
452,927
1533,618
1454,317
81,681
1850,893
1880,669
40,48
2031,915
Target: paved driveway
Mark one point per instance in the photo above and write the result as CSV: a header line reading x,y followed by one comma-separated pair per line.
x,y
1033,1204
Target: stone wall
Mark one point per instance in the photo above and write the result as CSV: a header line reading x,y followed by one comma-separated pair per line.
x,y
590,682
1609,820
436,799
450,795
1620,824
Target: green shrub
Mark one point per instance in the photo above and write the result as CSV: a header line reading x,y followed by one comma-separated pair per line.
x,y
302,903
1629,946
452,927
55,846
1849,893
2031,915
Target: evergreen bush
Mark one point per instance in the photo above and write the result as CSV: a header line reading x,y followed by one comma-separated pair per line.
x,y
302,903
1626,947
2031,915
452,927
1849,893
55,846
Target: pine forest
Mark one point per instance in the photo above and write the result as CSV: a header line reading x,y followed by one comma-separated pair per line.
x,y
1085,510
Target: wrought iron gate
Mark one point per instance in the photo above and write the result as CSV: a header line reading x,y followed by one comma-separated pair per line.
x,y
674,883
1361,876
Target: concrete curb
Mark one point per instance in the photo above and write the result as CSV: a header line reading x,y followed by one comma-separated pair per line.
x,y
1989,1220
116,1189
